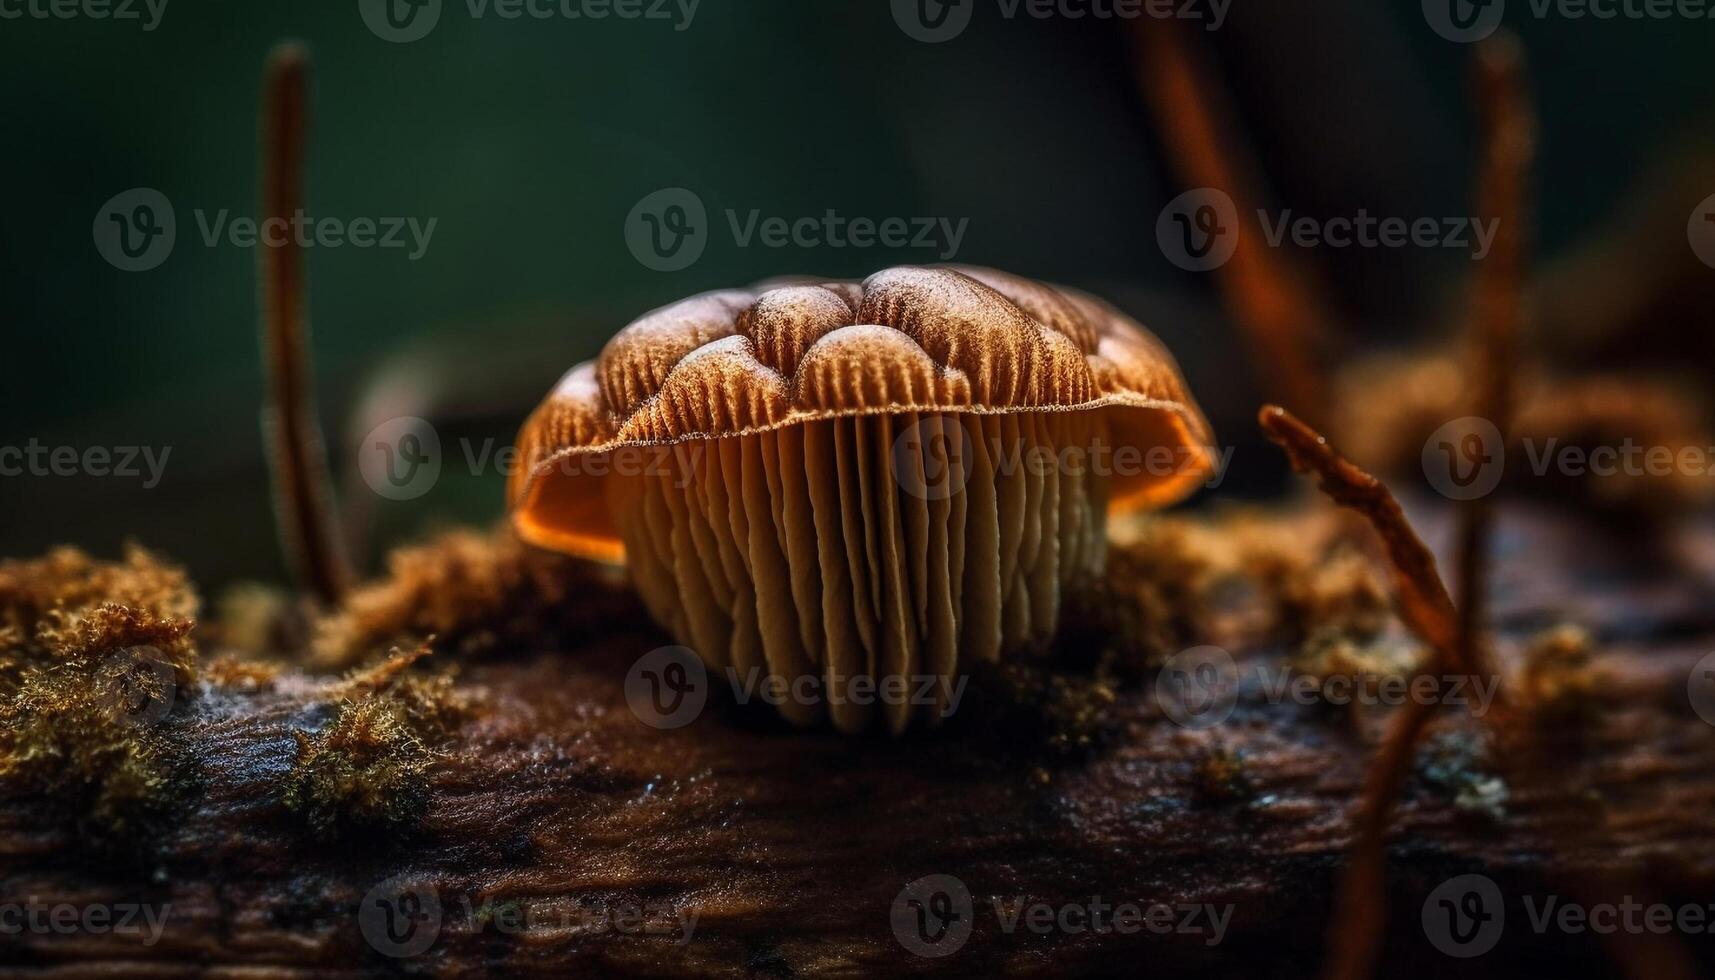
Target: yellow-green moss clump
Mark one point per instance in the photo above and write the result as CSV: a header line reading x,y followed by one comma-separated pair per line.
x,y
240,674
1558,683
1364,662
367,772
1238,579
93,657
473,590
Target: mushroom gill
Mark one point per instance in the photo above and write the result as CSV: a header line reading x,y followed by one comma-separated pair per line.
x,y
858,490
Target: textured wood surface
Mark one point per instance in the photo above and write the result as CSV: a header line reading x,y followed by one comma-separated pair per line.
x,y
790,849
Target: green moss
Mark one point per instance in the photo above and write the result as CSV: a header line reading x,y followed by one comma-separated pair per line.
x,y
367,773
431,703
62,739
93,658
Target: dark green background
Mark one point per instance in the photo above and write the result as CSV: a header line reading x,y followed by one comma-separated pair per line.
x,y
529,141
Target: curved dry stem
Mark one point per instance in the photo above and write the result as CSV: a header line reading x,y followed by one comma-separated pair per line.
x,y
1359,907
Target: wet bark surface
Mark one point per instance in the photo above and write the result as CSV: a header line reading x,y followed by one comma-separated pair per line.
x,y
563,835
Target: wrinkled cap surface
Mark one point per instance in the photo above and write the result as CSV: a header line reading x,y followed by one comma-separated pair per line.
x,y
906,339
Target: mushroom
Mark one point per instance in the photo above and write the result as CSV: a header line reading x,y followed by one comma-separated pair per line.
x,y
860,489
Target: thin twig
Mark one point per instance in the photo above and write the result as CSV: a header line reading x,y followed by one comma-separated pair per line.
x,y
1423,600
1501,95
1263,291
1359,909
1508,148
303,494
1501,98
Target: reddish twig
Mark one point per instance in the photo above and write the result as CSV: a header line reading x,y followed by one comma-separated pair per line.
x,y
1508,148
303,496
1423,601
1359,909
1261,288
1508,120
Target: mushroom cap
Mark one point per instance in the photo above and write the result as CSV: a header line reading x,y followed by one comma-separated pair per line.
x,y
907,339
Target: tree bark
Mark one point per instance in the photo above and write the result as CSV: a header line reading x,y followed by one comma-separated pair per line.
x,y
562,835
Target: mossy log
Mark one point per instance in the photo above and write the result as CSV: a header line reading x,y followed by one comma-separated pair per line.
x,y
558,834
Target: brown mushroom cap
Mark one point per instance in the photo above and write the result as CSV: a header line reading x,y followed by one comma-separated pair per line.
x,y
905,340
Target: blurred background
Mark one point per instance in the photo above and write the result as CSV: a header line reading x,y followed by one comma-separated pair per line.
x,y
529,141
